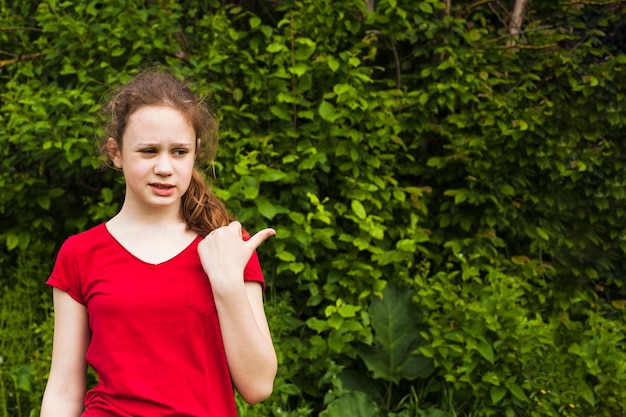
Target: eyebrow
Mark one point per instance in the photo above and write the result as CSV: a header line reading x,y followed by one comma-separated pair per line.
x,y
157,144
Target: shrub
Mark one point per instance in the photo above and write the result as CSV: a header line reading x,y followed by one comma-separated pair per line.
x,y
448,193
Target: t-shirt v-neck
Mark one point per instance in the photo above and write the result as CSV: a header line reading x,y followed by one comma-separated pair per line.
x,y
153,265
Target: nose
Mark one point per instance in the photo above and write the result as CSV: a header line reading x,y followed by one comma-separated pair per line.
x,y
163,165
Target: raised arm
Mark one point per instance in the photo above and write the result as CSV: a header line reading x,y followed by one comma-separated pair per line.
x,y
249,350
65,391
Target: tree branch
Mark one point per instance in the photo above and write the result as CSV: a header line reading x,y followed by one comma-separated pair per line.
x,y
34,29
593,3
503,19
6,62
520,33
478,3
447,12
397,59
515,25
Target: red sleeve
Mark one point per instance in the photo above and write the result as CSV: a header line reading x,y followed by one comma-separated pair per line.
x,y
252,271
65,274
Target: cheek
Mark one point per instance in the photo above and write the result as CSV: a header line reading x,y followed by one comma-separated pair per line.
x,y
136,169
185,171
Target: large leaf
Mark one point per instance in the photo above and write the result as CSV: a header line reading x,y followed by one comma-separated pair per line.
x,y
353,404
397,324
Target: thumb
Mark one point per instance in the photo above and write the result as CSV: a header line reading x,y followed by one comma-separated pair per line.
x,y
259,237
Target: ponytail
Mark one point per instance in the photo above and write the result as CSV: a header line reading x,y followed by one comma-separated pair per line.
x,y
201,209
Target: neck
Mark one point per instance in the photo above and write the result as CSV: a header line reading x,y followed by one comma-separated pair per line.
x,y
141,216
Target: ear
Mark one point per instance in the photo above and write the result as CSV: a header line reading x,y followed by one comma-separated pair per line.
x,y
197,146
114,152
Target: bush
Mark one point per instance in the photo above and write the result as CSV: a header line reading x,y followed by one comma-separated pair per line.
x,y
448,196
25,332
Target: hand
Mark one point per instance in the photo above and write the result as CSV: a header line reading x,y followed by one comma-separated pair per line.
x,y
224,255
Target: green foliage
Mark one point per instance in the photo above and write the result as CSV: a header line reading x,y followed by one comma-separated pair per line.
x,y
25,333
500,346
392,358
448,198
397,326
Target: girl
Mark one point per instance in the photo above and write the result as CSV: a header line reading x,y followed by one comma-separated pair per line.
x,y
163,301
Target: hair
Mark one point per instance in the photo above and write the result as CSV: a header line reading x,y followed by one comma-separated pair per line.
x,y
201,210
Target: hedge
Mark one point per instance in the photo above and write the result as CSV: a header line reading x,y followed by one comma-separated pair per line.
x,y
446,178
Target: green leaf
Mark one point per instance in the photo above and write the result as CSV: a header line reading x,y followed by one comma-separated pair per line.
x,y
276,47
23,378
397,324
300,69
460,197
587,394
43,201
353,404
542,234
305,48
234,35
333,64
491,378
297,218
117,51
24,240
266,208
485,350
497,393
267,31
286,256
358,209
326,110
280,111
420,236
12,241
517,392
107,194
254,22
406,245
272,175
506,189
425,7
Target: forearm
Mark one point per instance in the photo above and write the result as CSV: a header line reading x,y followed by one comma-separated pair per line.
x,y
249,350
65,391
58,406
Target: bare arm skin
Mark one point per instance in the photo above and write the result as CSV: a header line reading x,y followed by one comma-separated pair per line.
x,y
247,341
65,391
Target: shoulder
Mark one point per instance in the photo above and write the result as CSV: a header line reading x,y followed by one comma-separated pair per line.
x,y
87,240
95,233
75,261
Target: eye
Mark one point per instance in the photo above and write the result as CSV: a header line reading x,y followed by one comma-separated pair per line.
x,y
180,152
148,150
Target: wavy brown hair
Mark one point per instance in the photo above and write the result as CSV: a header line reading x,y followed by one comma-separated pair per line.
x,y
200,208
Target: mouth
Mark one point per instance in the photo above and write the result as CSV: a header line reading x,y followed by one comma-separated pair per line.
x,y
162,190
161,186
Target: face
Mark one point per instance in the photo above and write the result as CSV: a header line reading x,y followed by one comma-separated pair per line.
x,y
157,157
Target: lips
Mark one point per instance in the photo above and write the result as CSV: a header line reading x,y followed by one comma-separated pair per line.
x,y
161,186
162,189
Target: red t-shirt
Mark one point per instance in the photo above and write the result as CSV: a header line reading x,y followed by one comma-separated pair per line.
x,y
156,343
